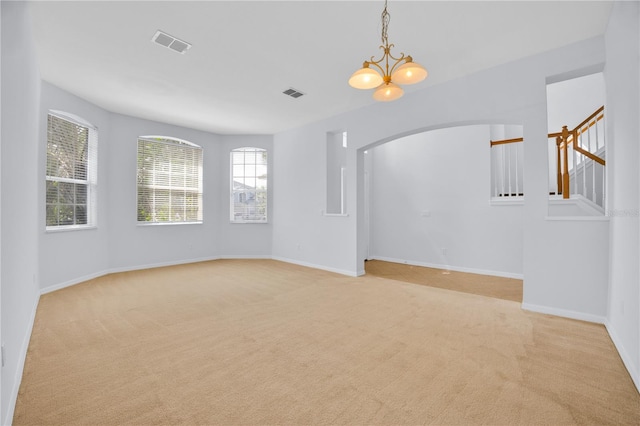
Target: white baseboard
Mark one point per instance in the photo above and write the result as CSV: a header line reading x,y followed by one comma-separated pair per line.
x,y
160,264
315,266
451,268
74,281
626,359
22,357
241,256
564,313
116,270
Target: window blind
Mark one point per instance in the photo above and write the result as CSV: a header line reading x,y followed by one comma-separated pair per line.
x,y
71,172
169,181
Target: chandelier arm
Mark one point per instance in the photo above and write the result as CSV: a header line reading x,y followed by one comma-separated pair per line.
x,y
402,55
400,60
384,55
377,65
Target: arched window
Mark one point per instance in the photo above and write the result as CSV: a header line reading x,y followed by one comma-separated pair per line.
x,y
72,172
169,181
248,185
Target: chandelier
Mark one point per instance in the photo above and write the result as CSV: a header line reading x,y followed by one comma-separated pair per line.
x,y
394,70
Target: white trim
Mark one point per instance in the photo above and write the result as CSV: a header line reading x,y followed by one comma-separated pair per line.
x,y
68,228
564,313
168,140
507,201
143,224
22,358
243,256
624,355
72,282
452,268
72,118
316,266
335,214
578,218
84,278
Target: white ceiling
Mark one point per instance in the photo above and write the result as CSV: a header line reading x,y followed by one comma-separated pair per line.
x,y
245,53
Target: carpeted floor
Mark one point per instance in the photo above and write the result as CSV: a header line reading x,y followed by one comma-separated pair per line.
x,y
483,285
235,342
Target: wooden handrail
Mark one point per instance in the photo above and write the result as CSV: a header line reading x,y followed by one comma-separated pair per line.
x,y
591,123
563,139
590,155
578,131
588,119
566,137
505,141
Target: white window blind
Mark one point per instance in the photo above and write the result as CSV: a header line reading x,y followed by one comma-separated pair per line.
x,y
248,185
169,181
71,175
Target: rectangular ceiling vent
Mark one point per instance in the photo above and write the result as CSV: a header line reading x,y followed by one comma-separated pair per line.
x,y
293,93
170,42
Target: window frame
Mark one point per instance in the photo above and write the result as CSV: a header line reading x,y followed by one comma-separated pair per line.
x,y
90,181
233,217
173,142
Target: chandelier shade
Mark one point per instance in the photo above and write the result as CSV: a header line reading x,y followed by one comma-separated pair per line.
x,y
365,78
409,73
389,70
388,92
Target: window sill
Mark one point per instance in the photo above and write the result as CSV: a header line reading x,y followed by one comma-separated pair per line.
x,y
249,222
145,224
506,201
578,218
69,228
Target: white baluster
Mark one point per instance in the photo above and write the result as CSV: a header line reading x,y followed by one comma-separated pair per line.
x,y
496,159
594,198
503,163
575,169
583,159
517,169
509,151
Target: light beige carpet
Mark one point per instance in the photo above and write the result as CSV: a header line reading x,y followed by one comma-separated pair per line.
x,y
483,285
234,342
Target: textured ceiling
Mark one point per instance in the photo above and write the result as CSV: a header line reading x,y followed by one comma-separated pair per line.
x,y
245,53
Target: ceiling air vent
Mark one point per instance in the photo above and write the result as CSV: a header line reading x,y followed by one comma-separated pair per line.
x,y
293,93
170,42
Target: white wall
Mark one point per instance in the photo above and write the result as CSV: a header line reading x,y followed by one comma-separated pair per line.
x,y
70,256
622,72
513,93
571,101
301,232
430,191
20,116
134,246
242,239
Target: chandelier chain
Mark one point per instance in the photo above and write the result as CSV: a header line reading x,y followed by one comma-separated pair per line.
x,y
385,17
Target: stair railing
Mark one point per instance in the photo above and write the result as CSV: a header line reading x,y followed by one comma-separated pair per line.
x,y
507,166
587,144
